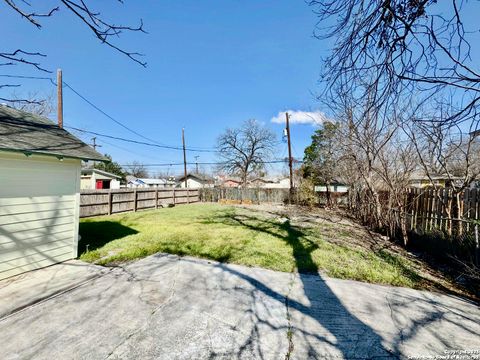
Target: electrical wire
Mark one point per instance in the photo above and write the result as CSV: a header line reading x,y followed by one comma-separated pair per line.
x,y
107,115
140,142
29,77
279,161
153,143
76,92
129,151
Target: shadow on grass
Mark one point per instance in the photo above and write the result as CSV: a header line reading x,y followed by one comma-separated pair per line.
x,y
95,234
295,237
177,248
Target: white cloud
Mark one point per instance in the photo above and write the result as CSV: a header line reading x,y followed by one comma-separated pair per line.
x,y
301,117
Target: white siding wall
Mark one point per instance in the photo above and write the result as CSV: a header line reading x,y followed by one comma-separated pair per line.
x,y
194,184
87,182
39,208
115,184
332,188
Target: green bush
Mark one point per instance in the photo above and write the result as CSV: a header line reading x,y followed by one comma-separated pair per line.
x,y
306,195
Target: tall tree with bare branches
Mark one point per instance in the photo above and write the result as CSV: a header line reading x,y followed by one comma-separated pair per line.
x,y
243,151
400,48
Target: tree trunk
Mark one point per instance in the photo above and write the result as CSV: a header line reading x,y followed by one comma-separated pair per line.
x,y
403,225
328,195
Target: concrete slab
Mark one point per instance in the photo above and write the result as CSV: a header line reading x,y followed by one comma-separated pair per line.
x,y
166,307
32,287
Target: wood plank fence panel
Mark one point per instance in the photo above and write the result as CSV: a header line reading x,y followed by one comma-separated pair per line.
x,y
106,202
440,210
253,195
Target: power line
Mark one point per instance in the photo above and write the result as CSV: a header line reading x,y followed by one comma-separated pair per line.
x,y
155,143
139,142
29,78
76,92
130,151
107,115
279,161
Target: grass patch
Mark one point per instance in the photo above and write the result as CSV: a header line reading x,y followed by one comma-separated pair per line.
x,y
241,236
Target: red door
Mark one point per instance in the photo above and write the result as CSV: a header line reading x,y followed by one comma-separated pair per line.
x,y
99,184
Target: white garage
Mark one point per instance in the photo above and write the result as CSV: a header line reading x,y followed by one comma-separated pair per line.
x,y
39,191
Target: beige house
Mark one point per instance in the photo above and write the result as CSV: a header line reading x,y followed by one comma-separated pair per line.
x,y
91,179
195,181
270,183
421,180
40,191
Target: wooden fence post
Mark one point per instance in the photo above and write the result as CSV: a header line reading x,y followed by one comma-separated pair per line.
x,y
188,197
110,202
135,200
174,200
477,247
156,198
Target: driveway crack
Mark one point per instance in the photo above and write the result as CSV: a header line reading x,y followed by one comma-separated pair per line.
x,y
172,291
156,309
395,322
289,317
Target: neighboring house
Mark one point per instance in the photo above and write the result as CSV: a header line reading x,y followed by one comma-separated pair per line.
x,y
282,183
133,182
40,166
421,180
98,179
270,183
258,182
195,181
227,181
334,187
231,183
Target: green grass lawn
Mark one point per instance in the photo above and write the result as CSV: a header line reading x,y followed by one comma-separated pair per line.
x,y
240,236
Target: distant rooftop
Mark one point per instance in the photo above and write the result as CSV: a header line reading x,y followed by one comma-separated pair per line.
x,y
148,181
87,171
29,133
201,177
153,181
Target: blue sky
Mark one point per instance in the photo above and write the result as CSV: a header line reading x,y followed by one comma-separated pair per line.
x,y
211,65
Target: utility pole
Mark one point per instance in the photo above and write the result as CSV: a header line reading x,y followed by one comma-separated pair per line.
x,y
289,154
184,157
196,163
94,145
59,98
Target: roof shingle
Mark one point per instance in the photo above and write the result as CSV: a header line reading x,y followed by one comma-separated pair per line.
x,y
25,132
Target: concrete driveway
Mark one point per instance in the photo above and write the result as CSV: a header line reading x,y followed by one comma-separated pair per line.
x,y
166,307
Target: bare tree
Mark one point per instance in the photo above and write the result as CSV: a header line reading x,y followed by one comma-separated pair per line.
x,y
34,103
397,163
245,150
447,151
104,30
401,48
137,169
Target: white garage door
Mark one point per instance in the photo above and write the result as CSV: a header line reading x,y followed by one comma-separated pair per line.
x,y
38,212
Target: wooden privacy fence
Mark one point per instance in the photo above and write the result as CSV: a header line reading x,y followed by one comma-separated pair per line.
x,y
442,209
254,195
106,202
434,212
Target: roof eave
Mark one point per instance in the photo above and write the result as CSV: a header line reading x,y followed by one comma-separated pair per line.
x,y
57,155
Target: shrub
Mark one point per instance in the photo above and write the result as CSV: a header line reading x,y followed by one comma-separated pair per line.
x,y
306,193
